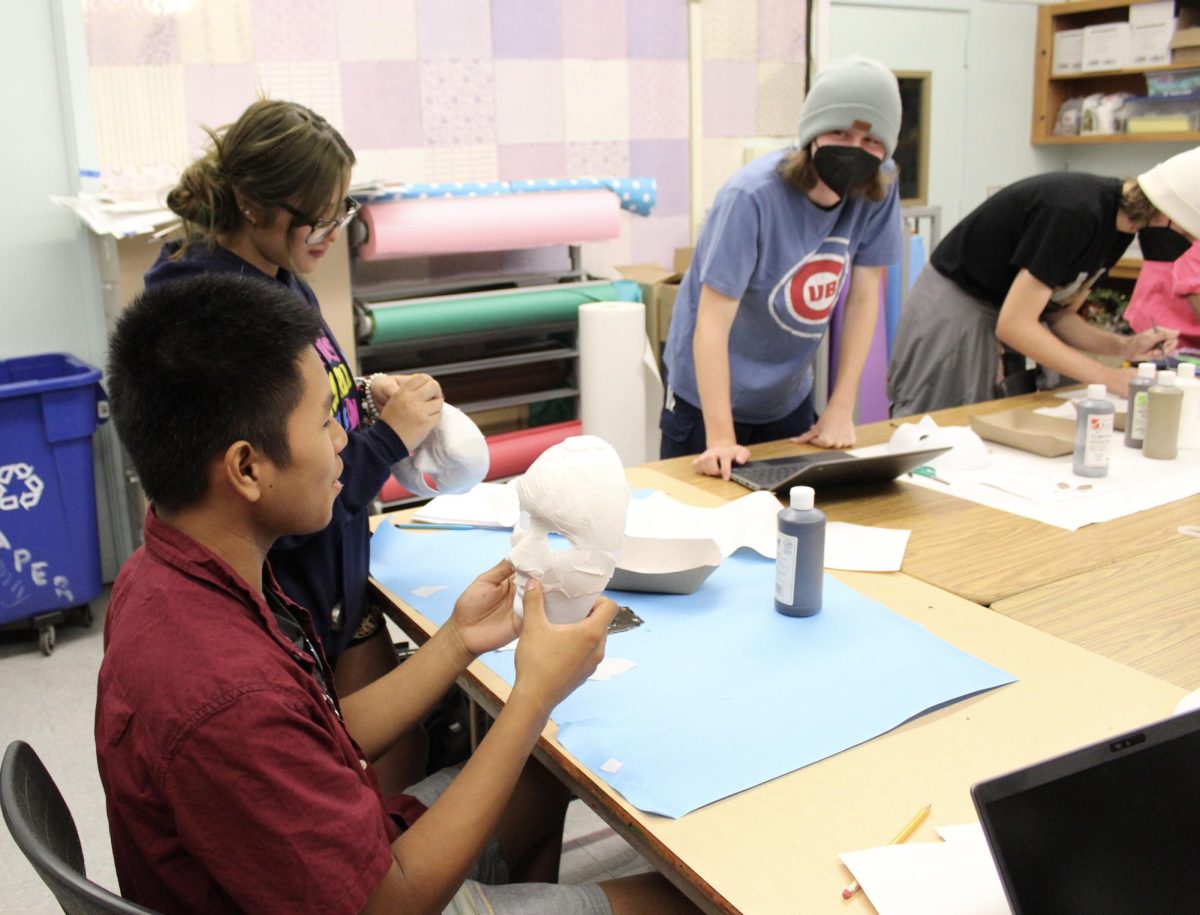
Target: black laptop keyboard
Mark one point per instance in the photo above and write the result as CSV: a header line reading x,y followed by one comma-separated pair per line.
x,y
764,476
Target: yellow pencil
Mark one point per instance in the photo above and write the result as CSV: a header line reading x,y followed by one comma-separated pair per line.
x,y
909,828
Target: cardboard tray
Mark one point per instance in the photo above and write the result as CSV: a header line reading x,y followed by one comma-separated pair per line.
x,y
1048,436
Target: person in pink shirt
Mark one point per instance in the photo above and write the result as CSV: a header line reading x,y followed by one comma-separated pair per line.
x,y
1167,293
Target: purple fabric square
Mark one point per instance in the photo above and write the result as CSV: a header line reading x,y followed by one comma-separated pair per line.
x,y
657,28
453,30
294,30
730,98
527,28
658,99
781,31
667,162
598,159
128,33
458,102
655,238
381,104
594,28
532,160
215,95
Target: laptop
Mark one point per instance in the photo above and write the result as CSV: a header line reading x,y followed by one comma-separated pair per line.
x,y
1112,827
829,468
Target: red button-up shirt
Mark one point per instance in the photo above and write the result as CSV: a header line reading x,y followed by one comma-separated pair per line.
x,y
232,784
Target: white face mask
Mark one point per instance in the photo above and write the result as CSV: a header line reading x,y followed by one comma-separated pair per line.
x,y
576,488
453,457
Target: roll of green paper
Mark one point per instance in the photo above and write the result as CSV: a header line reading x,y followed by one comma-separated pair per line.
x,y
444,316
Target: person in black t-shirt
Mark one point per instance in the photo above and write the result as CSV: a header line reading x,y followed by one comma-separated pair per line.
x,y
1008,282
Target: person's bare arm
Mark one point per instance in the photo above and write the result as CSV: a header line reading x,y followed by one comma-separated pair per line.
x,y
431,859
1194,301
710,350
1018,327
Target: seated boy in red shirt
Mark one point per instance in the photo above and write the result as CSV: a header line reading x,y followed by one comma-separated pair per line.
x,y
236,780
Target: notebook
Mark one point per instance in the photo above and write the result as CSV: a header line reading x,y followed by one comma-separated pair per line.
x,y
1112,827
829,468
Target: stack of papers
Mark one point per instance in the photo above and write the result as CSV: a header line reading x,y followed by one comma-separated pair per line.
x,y
953,877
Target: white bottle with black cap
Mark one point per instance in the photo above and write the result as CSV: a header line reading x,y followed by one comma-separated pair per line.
x,y
800,555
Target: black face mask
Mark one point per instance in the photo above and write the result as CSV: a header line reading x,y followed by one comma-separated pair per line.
x,y
1159,243
844,168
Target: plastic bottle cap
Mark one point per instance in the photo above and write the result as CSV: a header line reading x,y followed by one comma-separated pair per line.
x,y
1186,370
1166,378
1097,392
801,498
1146,369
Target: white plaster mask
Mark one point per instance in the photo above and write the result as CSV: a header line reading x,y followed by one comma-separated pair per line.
x,y
453,457
576,488
968,452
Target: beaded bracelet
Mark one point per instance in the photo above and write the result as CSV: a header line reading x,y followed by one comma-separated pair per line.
x,y
370,410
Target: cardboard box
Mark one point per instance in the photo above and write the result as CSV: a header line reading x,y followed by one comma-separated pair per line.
x,y
660,286
1185,46
1048,436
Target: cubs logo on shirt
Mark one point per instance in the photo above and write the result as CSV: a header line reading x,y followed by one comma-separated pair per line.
x,y
802,302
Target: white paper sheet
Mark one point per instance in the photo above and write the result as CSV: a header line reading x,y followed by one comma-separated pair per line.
x,y
746,522
858,548
1134,483
954,877
750,521
486,505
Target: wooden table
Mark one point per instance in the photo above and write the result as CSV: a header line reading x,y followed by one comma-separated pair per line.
x,y
977,552
773,849
1143,610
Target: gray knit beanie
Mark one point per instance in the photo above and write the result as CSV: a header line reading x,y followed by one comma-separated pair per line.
x,y
853,91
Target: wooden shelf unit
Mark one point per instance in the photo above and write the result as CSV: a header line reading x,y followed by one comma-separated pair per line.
x,y
1050,91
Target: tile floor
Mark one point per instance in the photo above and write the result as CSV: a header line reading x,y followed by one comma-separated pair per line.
x,y
49,702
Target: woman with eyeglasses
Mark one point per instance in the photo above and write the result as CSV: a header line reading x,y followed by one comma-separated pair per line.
x,y
269,199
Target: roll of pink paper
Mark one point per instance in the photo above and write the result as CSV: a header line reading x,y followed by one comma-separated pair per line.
x,y
510,453
452,225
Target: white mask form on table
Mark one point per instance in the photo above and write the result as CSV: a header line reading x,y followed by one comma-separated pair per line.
x,y
453,457
576,488
968,452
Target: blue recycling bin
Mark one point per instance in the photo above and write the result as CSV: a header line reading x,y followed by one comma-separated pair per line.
x,y
49,545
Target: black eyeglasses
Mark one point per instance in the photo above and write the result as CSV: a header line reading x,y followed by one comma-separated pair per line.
x,y
323,228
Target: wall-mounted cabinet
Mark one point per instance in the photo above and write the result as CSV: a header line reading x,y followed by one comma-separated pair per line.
x,y
1051,90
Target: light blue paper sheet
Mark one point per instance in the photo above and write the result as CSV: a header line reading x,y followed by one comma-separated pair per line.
x,y
726,693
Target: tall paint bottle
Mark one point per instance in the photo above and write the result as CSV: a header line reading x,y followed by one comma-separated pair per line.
x,y
1189,408
800,555
1162,418
1135,418
1093,433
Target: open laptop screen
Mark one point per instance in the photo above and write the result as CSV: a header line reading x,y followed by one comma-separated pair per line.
x,y
1113,827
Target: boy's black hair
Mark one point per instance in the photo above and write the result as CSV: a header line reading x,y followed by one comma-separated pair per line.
x,y
197,364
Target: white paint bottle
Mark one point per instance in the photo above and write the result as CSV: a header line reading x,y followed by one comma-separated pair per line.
x,y
1189,408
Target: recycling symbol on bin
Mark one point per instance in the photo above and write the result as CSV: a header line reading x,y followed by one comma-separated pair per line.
x,y
20,487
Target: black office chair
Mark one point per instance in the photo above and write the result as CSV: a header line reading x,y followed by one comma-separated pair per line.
x,y
42,826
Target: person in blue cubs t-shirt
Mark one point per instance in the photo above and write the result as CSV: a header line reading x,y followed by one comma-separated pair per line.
x,y
788,237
